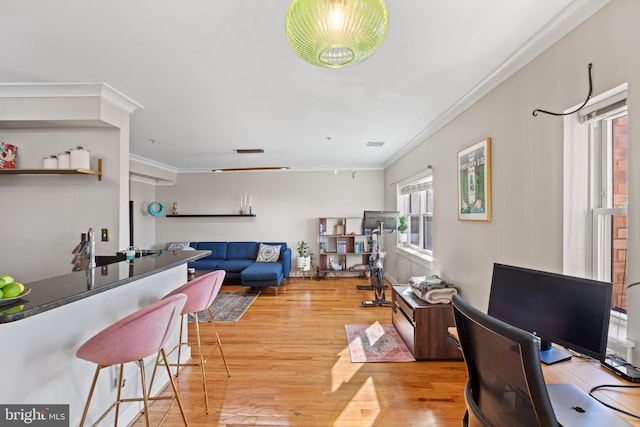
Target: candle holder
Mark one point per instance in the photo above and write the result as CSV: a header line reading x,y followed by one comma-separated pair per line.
x,y
245,205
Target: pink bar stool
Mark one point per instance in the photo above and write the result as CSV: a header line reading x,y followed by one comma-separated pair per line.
x,y
133,338
200,292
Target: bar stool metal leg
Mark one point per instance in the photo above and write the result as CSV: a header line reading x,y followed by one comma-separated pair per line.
x,y
201,292
218,342
201,359
132,339
91,390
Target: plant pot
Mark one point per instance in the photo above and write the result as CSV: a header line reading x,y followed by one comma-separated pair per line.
x,y
402,237
304,263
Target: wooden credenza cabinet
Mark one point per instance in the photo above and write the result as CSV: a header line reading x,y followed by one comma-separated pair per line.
x,y
423,326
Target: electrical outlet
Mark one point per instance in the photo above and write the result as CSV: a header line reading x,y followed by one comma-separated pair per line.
x,y
105,235
116,378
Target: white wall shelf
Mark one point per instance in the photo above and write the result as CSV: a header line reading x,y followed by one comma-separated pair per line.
x,y
80,171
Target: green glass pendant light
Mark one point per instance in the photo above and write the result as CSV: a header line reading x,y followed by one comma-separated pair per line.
x,y
336,33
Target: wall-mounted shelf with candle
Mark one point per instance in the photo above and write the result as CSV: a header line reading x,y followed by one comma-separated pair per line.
x,y
245,211
245,205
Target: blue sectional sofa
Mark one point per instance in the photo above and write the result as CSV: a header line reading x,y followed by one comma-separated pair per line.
x,y
238,260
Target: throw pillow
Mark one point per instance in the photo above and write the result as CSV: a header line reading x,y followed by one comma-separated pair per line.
x,y
268,253
181,246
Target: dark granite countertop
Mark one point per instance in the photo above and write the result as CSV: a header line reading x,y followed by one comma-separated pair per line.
x,y
54,292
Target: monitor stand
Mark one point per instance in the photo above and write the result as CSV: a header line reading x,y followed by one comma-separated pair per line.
x,y
550,355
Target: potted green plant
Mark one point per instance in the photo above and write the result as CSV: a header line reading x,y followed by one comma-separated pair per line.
x,y
304,256
402,229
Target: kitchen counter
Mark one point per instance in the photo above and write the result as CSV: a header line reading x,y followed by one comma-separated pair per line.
x,y
40,339
57,291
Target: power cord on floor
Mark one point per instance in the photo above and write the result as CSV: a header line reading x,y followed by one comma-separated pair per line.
x,y
599,387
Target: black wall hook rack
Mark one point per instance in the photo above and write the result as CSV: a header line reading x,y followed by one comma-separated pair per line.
x,y
537,110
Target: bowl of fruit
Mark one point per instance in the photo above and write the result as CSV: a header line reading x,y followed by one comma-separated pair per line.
x,y
10,290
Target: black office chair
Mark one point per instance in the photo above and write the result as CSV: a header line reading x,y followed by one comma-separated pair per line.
x,y
505,386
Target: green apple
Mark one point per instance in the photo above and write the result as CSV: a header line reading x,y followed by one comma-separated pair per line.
x,y
5,279
12,290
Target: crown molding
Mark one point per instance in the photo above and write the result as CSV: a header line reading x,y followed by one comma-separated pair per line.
x,y
68,90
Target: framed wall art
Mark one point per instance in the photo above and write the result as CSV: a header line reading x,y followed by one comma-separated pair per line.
x,y
474,182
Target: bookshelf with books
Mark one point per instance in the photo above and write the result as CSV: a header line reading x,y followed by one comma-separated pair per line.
x,y
343,247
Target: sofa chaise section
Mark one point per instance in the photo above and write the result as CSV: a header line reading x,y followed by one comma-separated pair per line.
x,y
238,260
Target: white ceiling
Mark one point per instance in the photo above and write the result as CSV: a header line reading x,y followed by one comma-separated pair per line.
x,y
214,76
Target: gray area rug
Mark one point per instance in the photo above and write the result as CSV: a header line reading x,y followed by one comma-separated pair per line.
x,y
229,306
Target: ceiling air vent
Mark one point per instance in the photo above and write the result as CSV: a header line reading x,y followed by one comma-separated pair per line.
x,y
375,144
250,151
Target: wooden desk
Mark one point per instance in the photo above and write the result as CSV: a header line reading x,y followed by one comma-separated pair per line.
x,y
586,374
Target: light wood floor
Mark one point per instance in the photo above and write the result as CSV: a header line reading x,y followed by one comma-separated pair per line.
x,y
290,366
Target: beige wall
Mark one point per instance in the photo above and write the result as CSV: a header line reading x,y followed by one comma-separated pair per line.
x,y
527,158
44,215
287,204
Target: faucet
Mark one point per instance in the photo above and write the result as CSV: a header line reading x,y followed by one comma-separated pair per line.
x,y
85,257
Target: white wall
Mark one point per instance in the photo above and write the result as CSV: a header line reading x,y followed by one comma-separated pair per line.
x,y
287,204
527,178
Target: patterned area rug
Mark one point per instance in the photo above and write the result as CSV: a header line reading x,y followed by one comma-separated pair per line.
x,y
229,306
376,343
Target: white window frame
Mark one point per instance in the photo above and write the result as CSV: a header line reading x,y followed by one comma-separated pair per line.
x,y
422,185
585,153
602,208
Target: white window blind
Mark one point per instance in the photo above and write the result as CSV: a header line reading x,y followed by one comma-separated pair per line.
x,y
415,187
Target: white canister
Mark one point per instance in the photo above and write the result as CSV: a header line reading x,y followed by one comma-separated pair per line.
x,y
79,158
50,162
64,160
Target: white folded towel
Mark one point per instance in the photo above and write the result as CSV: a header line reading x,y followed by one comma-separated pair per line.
x,y
440,296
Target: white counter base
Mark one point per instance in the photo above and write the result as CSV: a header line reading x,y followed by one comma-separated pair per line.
x,y
38,363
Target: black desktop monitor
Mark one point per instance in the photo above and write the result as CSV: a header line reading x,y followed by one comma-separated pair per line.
x,y
570,311
372,220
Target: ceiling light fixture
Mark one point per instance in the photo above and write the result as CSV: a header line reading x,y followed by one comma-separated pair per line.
x,y
336,33
250,151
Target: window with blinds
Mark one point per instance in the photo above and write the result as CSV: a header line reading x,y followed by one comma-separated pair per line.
x,y
415,202
596,159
